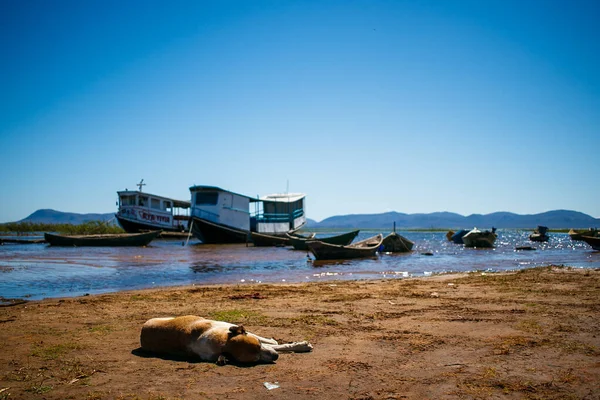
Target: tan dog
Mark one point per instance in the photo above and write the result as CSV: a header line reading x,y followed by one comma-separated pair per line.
x,y
211,341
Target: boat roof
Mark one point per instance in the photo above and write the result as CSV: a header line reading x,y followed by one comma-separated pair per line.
x,y
277,197
283,197
176,203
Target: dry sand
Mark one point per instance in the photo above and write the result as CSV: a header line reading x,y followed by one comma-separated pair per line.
x,y
531,334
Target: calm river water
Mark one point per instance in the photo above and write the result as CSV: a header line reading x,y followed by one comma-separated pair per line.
x,y
37,271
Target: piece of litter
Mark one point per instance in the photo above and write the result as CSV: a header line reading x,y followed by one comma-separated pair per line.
x,y
271,386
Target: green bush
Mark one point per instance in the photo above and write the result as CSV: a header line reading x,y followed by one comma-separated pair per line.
x,y
87,228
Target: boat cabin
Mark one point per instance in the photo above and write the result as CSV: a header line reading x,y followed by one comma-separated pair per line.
x,y
278,213
140,211
271,214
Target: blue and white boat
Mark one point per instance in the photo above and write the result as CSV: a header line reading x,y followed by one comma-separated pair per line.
x,y
222,216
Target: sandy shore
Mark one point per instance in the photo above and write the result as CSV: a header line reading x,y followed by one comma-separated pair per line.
x,y
532,334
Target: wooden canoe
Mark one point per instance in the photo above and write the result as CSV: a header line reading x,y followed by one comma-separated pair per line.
x,y
592,241
344,239
109,240
264,240
363,249
579,234
394,243
477,238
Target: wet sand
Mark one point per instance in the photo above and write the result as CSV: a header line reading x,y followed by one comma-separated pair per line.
x,y
527,334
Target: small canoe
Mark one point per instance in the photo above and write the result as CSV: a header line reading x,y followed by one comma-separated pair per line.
x,y
592,241
457,237
477,238
344,239
394,243
264,240
363,249
539,234
579,234
109,240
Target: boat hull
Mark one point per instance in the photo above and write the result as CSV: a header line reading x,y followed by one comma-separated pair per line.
x,y
364,249
394,243
117,240
537,237
592,241
579,235
458,236
344,239
137,227
263,240
213,233
485,239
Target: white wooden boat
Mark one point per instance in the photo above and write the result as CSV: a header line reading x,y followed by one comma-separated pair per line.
x,y
140,212
222,216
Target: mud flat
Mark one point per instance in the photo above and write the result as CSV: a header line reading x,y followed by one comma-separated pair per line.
x,y
528,334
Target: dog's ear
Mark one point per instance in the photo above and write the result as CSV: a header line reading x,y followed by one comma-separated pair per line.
x,y
237,330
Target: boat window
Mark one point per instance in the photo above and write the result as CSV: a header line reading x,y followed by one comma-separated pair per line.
x,y
155,203
143,201
207,198
128,200
167,205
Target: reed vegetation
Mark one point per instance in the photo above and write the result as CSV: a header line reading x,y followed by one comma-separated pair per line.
x,y
86,228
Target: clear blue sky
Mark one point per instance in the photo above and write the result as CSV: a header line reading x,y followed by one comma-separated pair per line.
x,y
365,106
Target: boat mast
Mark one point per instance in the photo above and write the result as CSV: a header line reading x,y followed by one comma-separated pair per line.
x,y
141,184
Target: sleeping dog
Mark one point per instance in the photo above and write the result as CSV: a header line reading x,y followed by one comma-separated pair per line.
x,y
211,340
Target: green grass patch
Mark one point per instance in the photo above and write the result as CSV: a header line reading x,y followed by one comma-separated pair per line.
x,y
87,228
53,352
102,329
41,389
236,316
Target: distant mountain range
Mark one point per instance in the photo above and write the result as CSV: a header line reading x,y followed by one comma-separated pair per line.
x,y
59,217
553,219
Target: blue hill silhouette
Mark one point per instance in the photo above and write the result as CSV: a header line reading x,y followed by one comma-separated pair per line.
x,y
556,219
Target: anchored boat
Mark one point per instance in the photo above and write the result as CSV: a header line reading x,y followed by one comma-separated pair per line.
x,y
363,249
344,239
477,238
222,216
104,240
140,211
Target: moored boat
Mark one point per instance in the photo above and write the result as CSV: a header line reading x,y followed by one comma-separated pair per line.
x,y
477,238
141,212
580,233
264,240
343,239
363,249
104,240
394,243
592,241
456,237
539,234
222,216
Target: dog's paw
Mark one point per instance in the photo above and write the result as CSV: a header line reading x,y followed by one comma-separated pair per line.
x,y
302,347
221,360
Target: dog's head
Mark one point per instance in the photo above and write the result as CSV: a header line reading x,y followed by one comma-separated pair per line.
x,y
246,349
